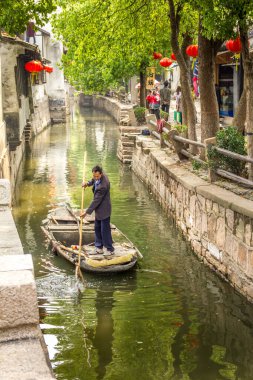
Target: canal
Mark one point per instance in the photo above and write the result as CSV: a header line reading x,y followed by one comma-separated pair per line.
x,y
171,318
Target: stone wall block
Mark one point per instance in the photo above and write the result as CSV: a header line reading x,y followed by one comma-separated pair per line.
x,y
196,245
222,211
235,249
229,242
209,205
220,233
202,202
204,243
215,209
18,300
230,216
204,224
243,256
203,251
250,263
183,227
211,227
192,205
179,209
239,228
187,218
198,219
248,234
169,200
173,202
179,192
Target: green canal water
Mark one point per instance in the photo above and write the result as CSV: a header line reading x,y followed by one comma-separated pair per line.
x,y
171,318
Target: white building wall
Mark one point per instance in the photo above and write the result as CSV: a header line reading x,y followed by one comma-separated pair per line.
x,y
9,55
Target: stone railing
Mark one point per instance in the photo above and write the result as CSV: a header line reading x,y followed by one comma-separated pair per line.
x,y
217,222
22,348
200,152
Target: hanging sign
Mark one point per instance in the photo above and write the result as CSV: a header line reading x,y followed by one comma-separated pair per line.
x,y
150,75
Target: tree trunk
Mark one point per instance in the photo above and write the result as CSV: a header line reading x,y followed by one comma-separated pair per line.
x,y
187,40
248,70
240,115
249,112
190,112
208,99
142,88
188,103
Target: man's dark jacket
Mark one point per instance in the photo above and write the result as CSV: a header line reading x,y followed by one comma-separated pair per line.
x,y
101,203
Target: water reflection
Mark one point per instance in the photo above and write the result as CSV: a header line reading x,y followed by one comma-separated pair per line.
x,y
172,318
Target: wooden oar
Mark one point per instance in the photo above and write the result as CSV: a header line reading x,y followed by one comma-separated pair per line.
x,y
78,267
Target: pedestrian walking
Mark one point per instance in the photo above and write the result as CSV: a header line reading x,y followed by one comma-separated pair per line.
x,y
30,32
178,96
150,100
156,104
165,94
101,204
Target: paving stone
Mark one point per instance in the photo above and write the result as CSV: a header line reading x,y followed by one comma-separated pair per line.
x,y
5,192
9,239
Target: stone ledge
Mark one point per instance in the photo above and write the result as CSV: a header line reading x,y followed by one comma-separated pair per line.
x,y
5,192
20,332
177,172
9,239
16,263
23,360
18,301
226,199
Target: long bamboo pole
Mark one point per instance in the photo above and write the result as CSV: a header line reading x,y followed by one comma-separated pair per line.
x,y
78,267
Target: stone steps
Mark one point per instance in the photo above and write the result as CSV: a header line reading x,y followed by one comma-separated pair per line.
x,y
126,143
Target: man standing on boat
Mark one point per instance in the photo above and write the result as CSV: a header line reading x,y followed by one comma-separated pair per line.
x,y
101,204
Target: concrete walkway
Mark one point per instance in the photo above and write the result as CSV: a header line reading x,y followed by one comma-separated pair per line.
x,y
23,351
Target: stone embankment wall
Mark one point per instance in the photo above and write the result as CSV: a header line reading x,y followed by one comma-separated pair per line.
x,y
114,108
217,222
22,348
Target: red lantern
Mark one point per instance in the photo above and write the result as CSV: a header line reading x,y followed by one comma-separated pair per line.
x,y
48,69
234,45
157,55
166,62
173,57
192,50
33,66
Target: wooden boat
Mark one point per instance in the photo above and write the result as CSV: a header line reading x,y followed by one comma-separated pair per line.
x,y
62,230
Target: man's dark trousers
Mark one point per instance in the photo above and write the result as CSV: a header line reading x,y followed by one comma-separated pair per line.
x,y
166,108
103,235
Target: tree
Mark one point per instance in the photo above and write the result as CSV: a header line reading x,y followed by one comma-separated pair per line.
x,y
176,12
15,14
117,41
222,20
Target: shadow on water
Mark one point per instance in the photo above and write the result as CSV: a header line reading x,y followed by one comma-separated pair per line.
x,y
171,318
